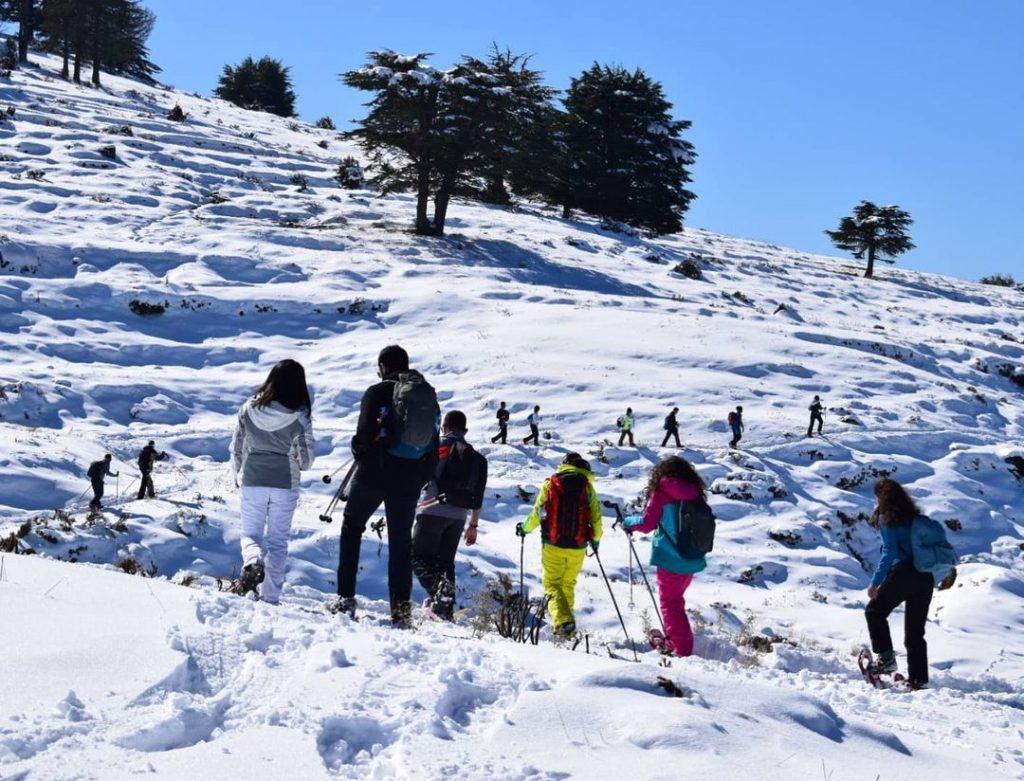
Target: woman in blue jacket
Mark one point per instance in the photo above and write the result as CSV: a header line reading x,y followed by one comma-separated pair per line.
x,y
897,581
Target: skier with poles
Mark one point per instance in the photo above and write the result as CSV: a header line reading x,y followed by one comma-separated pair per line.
x,y
272,442
571,521
675,492
147,457
97,471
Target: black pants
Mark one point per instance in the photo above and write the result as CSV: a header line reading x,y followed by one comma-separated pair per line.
x,y
435,540
534,435
904,584
399,511
737,435
146,486
97,494
815,417
624,434
502,433
672,432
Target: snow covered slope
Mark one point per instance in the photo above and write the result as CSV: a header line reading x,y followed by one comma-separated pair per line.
x,y
231,224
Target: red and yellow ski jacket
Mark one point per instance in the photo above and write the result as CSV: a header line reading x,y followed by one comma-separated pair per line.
x,y
586,516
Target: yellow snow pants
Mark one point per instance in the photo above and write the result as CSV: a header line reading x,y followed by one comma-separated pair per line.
x,y
561,568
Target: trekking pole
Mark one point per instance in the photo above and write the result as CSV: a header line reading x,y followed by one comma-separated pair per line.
x,y
341,495
647,583
522,549
616,604
81,496
327,478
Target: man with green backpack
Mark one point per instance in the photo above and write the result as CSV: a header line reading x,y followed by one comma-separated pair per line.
x,y
395,450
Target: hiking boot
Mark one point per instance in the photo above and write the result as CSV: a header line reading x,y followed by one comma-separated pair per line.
x,y
916,686
883,665
252,575
401,615
568,629
343,605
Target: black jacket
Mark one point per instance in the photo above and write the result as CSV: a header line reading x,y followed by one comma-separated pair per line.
x,y
147,457
377,467
502,415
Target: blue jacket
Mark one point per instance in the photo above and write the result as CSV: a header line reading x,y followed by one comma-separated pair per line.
x,y
896,547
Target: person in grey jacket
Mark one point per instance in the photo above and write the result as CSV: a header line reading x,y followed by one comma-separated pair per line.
x,y
273,441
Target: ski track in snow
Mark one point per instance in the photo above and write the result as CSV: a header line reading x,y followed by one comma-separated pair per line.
x,y
920,375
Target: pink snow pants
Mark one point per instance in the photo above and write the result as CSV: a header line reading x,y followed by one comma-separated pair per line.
x,y
672,596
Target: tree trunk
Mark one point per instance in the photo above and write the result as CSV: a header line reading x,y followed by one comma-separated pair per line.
x,y
566,211
444,195
26,28
66,52
78,67
422,198
496,191
871,261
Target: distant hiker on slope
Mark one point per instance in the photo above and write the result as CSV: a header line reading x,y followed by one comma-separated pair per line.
x,y
395,449
736,424
625,424
97,471
571,521
502,415
815,409
460,478
534,421
905,532
672,427
673,481
272,442
147,457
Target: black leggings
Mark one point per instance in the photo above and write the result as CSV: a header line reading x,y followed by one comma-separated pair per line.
x,y
904,584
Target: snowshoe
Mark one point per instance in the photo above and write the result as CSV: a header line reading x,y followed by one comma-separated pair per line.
x,y
658,642
345,605
873,669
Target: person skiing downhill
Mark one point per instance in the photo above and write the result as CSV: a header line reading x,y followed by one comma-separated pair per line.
x,y
571,521
272,442
815,408
147,457
458,485
534,421
672,427
97,471
673,480
897,581
395,449
625,423
502,415
736,424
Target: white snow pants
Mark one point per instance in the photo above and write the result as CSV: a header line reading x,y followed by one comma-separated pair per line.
x,y
266,523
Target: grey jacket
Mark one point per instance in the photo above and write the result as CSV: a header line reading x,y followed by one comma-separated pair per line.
x,y
271,444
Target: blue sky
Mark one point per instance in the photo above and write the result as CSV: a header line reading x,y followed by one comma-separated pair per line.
x,y
800,108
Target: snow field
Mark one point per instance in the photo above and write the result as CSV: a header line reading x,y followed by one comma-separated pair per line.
x,y
916,371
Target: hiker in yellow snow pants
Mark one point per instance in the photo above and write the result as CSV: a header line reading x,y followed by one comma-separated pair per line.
x,y
572,520
561,568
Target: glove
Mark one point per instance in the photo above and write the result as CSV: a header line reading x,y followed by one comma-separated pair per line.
x,y
595,544
520,531
631,521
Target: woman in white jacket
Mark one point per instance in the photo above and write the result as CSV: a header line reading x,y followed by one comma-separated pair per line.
x,y
273,440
